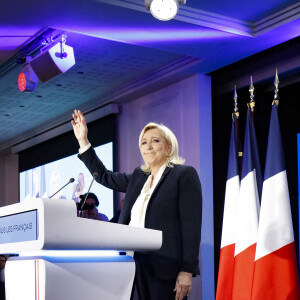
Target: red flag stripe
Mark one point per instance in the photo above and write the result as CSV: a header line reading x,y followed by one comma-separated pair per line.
x,y
225,276
276,276
243,274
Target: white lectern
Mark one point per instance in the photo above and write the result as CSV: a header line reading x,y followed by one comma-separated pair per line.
x,y
35,228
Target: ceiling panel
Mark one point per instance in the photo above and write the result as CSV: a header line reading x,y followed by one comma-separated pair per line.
x,y
120,47
244,10
98,71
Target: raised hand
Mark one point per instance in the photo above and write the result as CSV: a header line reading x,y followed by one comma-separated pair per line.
x,y
80,129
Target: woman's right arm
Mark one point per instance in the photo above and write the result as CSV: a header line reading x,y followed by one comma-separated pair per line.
x,y
113,180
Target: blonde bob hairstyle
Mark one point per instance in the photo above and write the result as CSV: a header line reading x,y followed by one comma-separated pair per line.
x,y
173,158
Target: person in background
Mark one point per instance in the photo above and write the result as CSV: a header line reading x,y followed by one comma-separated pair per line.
x,y
2,278
90,210
162,194
78,188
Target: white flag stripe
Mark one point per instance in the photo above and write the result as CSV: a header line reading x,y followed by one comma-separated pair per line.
x,y
247,214
231,199
275,227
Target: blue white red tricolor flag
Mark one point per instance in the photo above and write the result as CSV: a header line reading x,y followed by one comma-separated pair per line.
x,y
226,263
275,271
247,215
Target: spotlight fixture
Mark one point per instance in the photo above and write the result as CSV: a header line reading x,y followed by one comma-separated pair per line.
x,y
53,60
164,10
27,79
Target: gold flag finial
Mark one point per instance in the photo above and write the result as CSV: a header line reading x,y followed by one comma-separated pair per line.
x,y
251,90
276,83
236,108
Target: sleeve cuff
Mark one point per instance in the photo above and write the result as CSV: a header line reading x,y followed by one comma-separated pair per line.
x,y
190,268
82,150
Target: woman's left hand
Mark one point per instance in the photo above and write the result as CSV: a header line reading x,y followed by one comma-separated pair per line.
x,y
183,285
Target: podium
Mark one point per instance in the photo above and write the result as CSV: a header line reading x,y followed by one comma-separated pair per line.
x,y
62,256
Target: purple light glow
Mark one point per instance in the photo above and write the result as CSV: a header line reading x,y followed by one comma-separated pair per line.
x,y
12,37
19,31
11,43
134,35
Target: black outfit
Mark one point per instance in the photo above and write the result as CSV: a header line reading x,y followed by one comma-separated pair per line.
x,y
175,208
2,291
115,218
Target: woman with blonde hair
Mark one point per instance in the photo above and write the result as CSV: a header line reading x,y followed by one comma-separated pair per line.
x,y
162,194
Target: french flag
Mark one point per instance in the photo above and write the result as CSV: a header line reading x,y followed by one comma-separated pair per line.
x,y
247,215
27,187
42,190
275,272
226,263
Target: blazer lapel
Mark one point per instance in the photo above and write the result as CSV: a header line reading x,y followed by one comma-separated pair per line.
x,y
134,193
165,173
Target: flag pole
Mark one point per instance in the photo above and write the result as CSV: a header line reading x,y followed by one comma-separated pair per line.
x,y
237,115
252,102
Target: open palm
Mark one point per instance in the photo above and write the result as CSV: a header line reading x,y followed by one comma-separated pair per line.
x,y
80,128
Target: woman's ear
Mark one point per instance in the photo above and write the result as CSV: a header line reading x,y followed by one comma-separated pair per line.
x,y
169,149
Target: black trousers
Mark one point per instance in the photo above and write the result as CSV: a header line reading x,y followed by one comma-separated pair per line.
x,y
2,291
149,286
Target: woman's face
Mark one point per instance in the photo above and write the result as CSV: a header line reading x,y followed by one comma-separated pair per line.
x,y
154,148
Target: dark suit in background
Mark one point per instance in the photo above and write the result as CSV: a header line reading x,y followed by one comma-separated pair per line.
x,y
2,291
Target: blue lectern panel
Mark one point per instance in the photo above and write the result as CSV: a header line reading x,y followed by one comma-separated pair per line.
x,y
19,227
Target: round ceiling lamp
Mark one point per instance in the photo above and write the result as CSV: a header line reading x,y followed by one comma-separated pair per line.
x,y
164,10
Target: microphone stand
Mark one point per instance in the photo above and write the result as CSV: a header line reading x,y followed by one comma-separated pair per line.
x,y
71,180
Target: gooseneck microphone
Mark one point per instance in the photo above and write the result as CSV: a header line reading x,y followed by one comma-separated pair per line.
x,y
95,174
70,181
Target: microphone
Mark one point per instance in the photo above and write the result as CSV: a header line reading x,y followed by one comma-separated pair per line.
x,y
95,174
70,181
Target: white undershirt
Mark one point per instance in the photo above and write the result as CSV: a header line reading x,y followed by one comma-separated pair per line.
x,y
138,211
86,148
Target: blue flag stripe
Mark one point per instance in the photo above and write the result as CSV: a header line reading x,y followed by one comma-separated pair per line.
x,y
233,169
255,157
275,156
247,165
251,159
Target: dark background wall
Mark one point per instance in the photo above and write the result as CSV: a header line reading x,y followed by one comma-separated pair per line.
x,y
100,132
239,73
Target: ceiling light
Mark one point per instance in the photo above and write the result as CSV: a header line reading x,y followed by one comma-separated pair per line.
x,y
164,10
53,60
27,79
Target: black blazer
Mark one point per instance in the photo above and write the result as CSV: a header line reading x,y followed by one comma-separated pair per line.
x,y
175,208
